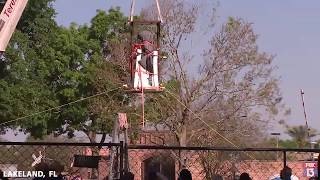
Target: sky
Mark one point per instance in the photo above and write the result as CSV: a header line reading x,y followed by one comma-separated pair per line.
x,y
288,29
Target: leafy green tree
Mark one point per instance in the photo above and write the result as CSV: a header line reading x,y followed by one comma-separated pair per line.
x,y
273,142
94,72
24,69
107,26
287,144
299,135
47,65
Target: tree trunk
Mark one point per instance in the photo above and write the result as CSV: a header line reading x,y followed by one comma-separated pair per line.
x,y
183,143
115,139
184,127
183,136
92,137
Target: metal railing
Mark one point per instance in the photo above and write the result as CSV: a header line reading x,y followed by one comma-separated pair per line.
x,y
71,160
111,160
229,163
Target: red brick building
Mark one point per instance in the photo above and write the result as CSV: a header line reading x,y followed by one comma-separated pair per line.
x,y
167,162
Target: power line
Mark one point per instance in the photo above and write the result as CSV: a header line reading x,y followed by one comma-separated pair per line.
x,y
102,93
57,107
208,125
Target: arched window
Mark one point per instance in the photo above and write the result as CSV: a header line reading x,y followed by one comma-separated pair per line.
x,y
159,164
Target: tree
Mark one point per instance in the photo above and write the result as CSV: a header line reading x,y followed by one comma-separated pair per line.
x,y
99,73
24,69
47,65
232,97
234,80
288,144
299,135
275,142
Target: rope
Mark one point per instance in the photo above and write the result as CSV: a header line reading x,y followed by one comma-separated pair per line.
x,y
209,126
58,107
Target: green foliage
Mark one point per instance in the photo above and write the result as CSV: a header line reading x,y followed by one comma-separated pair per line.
x,y
288,144
25,69
107,25
83,63
36,11
298,138
162,106
46,65
299,135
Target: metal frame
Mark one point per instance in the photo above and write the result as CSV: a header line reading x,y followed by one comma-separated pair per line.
x,y
124,150
133,61
198,148
133,24
120,149
59,144
225,149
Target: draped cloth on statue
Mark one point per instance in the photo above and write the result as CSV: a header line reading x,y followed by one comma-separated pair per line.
x,y
146,38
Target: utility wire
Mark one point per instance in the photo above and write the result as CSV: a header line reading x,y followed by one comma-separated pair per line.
x,y
50,109
102,93
208,125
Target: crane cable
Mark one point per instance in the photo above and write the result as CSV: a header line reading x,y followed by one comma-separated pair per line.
x,y
133,3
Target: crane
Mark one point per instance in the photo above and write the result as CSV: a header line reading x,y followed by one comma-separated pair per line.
x,y
9,17
305,114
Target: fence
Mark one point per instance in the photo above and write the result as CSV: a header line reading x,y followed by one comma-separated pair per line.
x,y
106,160
207,162
72,160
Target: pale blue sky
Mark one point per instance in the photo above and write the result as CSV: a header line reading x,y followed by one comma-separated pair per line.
x,y
289,29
